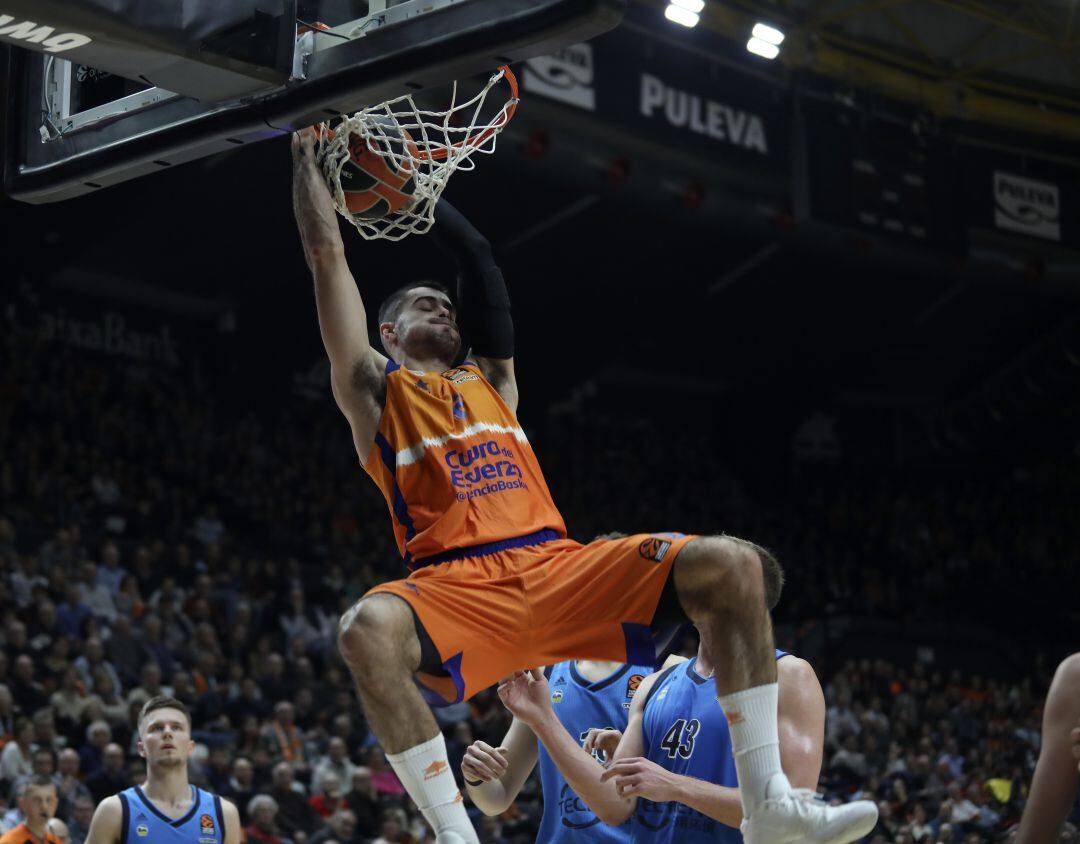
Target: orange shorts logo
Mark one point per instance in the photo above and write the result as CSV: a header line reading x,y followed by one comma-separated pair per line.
x,y
654,549
435,768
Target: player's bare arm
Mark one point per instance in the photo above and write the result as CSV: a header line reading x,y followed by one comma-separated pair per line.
x,y
232,823
357,371
482,299
106,823
801,716
528,697
500,374
494,775
800,711
1053,788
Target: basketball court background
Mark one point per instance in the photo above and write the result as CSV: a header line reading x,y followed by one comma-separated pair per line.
x,y
684,222
849,274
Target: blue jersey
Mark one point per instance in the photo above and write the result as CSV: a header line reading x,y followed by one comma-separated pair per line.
x,y
143,823
580,706
685,732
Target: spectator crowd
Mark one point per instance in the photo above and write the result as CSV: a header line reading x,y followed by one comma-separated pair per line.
x,y
159,537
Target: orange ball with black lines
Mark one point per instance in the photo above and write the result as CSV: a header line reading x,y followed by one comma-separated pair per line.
x,y
376,184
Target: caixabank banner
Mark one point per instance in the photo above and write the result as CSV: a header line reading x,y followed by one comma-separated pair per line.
x,y
681,99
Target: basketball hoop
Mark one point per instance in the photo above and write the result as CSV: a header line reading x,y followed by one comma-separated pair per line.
x,y
424,144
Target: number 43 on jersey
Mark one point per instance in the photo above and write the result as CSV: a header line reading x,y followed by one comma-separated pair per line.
x,y
679,739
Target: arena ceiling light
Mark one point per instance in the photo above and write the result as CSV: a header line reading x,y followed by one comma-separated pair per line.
x,y
765,41
685,12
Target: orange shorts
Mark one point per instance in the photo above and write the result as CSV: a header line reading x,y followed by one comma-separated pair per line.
x,y
490,614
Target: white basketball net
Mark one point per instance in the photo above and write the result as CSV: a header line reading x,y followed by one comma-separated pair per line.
x,y
441,143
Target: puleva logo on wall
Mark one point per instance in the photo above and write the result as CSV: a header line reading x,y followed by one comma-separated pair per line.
x,y
1027,206
715,120
565,75
29,32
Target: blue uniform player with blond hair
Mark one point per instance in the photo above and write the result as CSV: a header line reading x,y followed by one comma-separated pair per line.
x,y
166,809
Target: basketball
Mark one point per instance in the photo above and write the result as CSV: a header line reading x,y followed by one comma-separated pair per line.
x,y
378,178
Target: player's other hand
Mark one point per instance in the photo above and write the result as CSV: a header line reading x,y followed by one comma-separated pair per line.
x,y
526,695
605,740
638,777
483,762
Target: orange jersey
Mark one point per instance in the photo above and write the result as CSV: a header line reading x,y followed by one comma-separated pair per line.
x,y
22,835
454,465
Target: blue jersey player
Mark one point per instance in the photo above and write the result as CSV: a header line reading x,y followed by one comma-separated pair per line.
x,y
672,770
166,809
585,696
686,743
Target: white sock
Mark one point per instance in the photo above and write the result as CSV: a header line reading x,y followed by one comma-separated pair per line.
x,y
426,775
755,741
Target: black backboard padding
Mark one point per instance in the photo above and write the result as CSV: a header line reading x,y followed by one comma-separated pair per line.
x,y
430,50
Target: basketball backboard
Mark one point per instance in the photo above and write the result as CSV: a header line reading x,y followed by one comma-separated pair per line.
x,y
103,91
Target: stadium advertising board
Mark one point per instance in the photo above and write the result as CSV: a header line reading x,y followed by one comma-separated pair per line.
x,y
1022,196
1028,206
95,320
677,98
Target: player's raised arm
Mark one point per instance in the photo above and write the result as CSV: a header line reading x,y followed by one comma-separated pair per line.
x,y
356,369
494,775
106,823
483,301
624,758
528,697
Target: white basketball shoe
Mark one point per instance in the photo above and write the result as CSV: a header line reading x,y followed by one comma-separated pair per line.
x,y
798,814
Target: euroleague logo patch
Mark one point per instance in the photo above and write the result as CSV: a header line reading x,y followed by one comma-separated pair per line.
x,y
206,825
632,685
654,549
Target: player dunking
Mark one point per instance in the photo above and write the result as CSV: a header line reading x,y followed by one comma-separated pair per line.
x,y
495,585
166,808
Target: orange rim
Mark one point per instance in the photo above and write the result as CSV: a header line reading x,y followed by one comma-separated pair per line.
x,y
476,140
